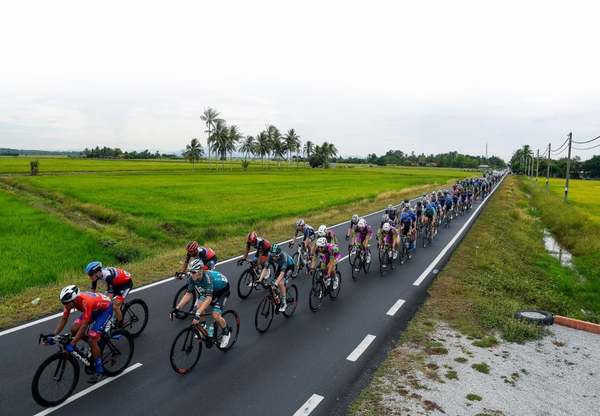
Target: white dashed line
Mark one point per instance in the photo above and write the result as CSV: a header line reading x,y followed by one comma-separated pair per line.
x,y
309,405
364,344
395,307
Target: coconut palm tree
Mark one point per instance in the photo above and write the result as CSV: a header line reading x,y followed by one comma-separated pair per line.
x,y
308,148
193,152
263,146
210,117
218,139
292,142
234,136
248,147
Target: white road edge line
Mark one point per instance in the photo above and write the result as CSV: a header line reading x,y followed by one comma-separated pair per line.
x,y
168,279
442,253
88,390
309,405
360,348
395,307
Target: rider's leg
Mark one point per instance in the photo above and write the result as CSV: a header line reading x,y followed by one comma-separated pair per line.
x,y
216,314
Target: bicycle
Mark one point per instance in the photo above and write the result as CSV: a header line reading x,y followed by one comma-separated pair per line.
x,y
269,306
301,260
135,316
404,249
358,259
428,236
61,370
319,289
249,279
187,345
386,258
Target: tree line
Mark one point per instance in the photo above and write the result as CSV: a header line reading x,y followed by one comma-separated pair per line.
x,y
116,153
223,140
558,167
450,159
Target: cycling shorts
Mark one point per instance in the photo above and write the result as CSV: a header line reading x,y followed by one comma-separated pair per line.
x,y
211,264
219,299
120,292
99,320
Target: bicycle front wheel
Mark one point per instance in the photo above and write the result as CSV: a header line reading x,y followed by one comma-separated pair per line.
x,y
317,292
367,265
264,314
185,350
232,320
245,284
116,351
292,301
55,379
334,293
190,306
135,317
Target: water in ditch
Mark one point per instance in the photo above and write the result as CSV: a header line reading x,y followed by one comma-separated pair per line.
x,y
557,251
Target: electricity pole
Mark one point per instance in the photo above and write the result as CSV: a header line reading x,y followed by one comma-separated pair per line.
x,y
537,166
548,169
568,168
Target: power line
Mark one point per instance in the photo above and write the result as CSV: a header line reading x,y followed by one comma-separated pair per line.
x,y
561,147
586,148
587,141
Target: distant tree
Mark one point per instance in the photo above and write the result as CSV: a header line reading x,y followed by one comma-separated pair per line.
x,y
248,146
210,117
592,166
193,152
263,146
292,142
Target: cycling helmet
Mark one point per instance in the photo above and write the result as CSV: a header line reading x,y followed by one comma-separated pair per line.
x,y
275,250
406,201
196,265
192,248
252,237
69,293
361,223
321,242
386,227
390,207
322,228
355,218
92,267
300,223
320,234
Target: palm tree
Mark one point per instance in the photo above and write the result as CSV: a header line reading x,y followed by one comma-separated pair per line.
x,y
248,147
292,142
193,152
234,136
308,148
263,146
210,117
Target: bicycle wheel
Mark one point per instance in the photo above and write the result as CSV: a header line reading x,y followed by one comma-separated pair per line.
x,y
245,284
334,293
383,261
177,299
233,323
296,271
116,351
367,266
292,301
317,292
355,264
55,379
185,350
264,314
135,317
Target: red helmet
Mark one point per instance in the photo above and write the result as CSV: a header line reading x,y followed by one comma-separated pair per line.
x,y
252,237
192,248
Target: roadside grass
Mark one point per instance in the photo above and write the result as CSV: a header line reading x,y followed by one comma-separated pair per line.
x,y
36,247
500,267
17,308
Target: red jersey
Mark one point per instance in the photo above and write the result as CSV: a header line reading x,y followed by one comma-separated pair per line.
x,y
88,303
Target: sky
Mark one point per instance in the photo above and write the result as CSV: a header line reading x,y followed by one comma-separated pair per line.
x,y
422,76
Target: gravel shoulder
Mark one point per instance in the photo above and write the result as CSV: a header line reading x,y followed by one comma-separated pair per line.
x,y
556,375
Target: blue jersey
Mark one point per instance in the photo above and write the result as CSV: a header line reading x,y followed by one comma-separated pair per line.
x,y
430,209
212,282
406,218
448,201
309,232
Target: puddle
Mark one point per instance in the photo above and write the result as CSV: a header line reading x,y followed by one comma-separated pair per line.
x,y
555,250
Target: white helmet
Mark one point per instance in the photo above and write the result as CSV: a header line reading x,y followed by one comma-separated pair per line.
x,y
361,223
355,218
321,242
69,293
386,227
196,265
320,234
300,223
322,228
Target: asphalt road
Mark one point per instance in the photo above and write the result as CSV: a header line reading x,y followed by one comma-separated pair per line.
x,y
311,362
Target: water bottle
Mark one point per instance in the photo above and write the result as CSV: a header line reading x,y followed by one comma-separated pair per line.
x,y
211,330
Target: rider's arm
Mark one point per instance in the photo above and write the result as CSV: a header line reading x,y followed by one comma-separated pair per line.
x,y
185,263
61,324
203,305
80,333
94,285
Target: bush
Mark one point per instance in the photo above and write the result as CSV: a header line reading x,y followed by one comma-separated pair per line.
x,y
34,166
245,164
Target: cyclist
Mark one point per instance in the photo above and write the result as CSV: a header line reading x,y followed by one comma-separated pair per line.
x,y
213,290
392,214
329,255
388,234
309,236
430,213
206,254
329,234
284,265
407,225
448,202
96,310
262,247
362,235
118,285
353,222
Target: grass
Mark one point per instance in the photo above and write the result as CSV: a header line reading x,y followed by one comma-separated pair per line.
x,y
159,249
451,375
37,247
481,367
474,397
486,342
500,267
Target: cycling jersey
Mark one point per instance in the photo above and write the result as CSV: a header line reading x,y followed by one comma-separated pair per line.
x,y
406,219
308,232
330,237
211,283
389,236
114,278
448,202
362,235
262,246
391,213
284,263
430,210
330,252
90,305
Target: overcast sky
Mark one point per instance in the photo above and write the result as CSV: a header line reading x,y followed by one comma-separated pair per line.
x,y
369,76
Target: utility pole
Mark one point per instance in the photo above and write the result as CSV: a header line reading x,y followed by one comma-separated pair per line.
x,y
568,168
548,169
537,166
